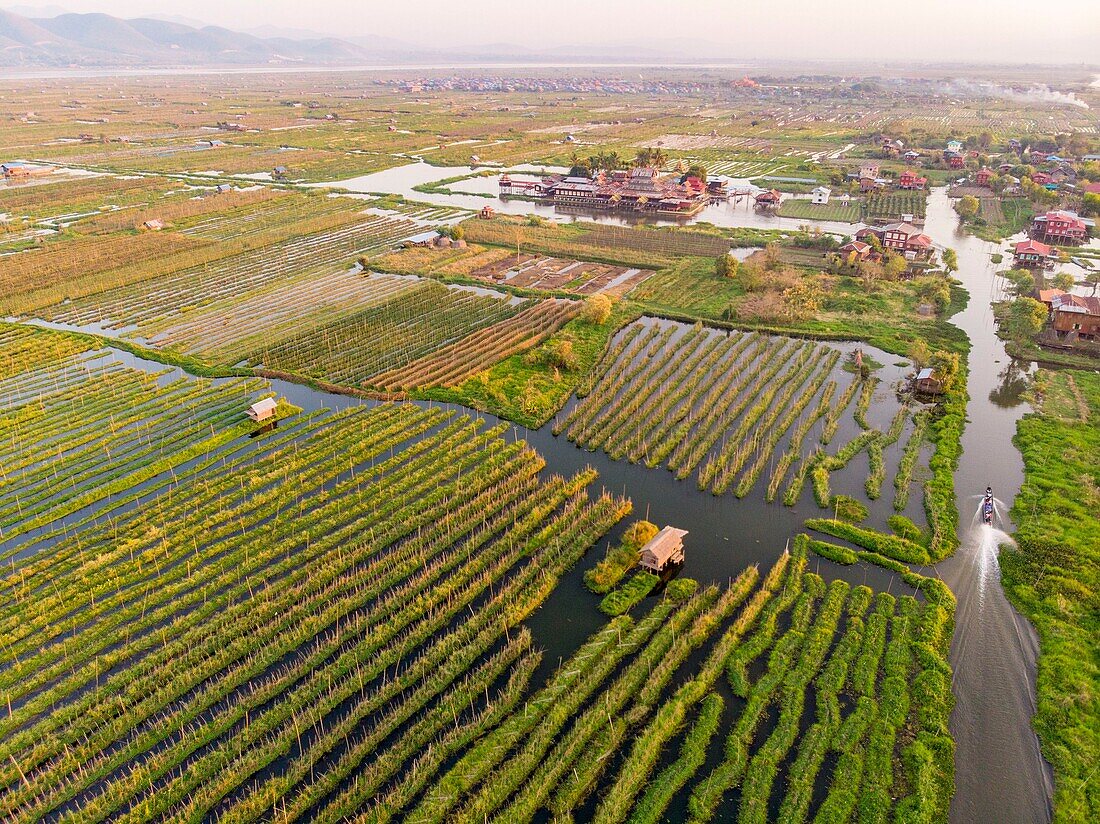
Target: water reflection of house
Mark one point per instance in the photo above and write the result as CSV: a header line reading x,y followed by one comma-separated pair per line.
x,y
663,549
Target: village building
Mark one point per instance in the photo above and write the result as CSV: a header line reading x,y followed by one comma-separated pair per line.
x,y
262,410
911,180
906,238
955,146
911,156
820,194
154,225
768,199
1047,296
926,383
486,213
19,170
642,189
1060,226
1033,254
1076,318
984,177
870,170
954,160
663,550
857,251
422,240
279,172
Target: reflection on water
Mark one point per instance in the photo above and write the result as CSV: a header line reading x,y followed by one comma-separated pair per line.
x,y
1015,379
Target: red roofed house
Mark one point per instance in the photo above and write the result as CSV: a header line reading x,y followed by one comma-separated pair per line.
x,y
956,161
909,180
1033,253
1047,296
1060,226
896,235
1041,178
984,177
861,250
768,198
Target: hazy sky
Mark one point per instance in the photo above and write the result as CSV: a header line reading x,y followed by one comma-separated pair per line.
x,y
1015,31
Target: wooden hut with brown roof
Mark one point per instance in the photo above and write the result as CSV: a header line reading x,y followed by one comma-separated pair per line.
x,y
663,549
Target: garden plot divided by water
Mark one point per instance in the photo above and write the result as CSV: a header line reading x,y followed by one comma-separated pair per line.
x,y
746,411
228,334
163,299
78,429
338,608
429,333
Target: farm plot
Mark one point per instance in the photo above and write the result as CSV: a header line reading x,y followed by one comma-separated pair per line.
x,y
562,274
57,260
892,205
79,429
836,210
162,300
452,364
822,675
235,222
222,333
325,612
697,399
393,336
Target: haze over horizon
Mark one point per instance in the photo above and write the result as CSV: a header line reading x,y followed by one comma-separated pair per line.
x,y
941,30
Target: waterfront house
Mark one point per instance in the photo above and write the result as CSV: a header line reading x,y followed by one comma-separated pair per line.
x,y
1032,253
1076,318
1060,226
768,199
905,237
262,410
663,549
926,383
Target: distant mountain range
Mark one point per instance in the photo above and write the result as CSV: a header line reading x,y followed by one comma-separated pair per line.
x,y
100,40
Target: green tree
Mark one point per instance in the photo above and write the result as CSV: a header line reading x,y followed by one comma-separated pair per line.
x,y
772,257
1093,279
945,368
458,232
1026,318
698,170
561,355
597,309
726,266
934,290
1063,281
1020,282
968,206
950,261
919,353
894,266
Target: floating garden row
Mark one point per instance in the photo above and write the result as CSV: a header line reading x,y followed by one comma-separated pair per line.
x,y
390,336
352,586
156,302
698,399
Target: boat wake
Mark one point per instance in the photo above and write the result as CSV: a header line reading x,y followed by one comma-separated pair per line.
x,y
985,541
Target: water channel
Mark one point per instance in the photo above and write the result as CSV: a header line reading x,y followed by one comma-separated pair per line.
x,y
1000,773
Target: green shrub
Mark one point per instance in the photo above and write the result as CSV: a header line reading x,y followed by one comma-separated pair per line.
x,y
681,589
620,600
